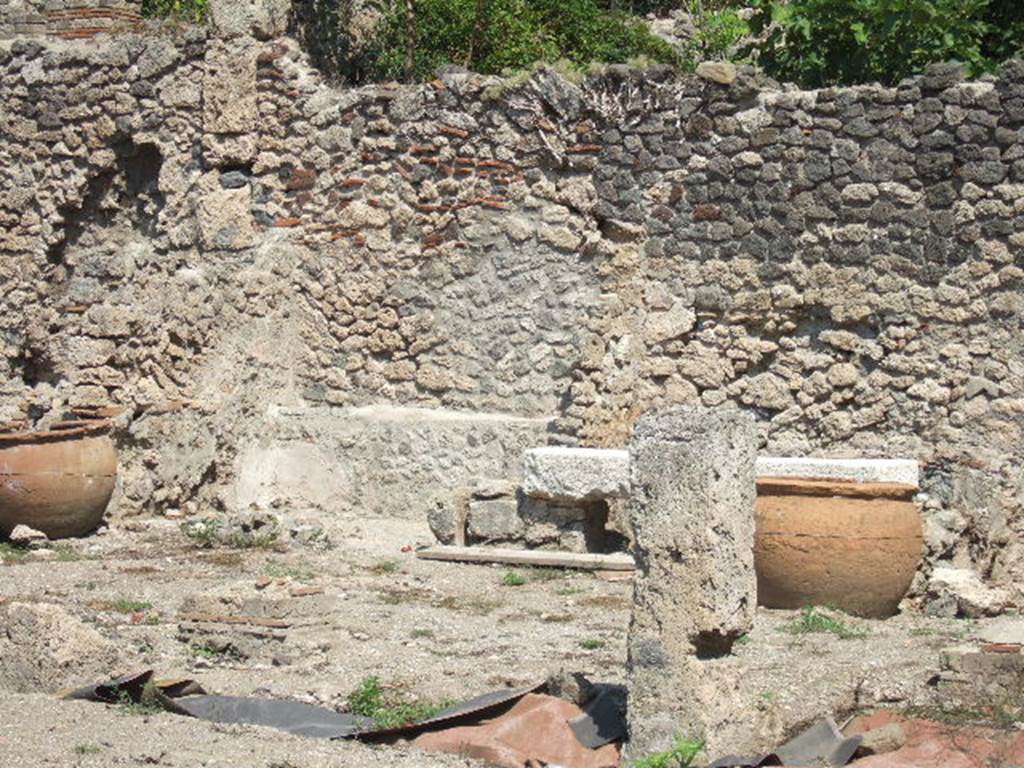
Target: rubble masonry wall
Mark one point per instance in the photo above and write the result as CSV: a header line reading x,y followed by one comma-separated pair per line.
x,y
202,231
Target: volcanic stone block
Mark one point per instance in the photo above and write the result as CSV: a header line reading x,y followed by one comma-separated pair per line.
x,y
229,89
495,520
692,473
575,474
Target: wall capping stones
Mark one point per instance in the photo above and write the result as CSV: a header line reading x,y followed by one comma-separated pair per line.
x,y
904,471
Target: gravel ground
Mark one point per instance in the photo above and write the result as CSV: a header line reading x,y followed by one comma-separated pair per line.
x,y
431,631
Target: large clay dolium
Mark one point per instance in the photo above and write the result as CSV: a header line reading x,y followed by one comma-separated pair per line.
x,y
852,545
59,481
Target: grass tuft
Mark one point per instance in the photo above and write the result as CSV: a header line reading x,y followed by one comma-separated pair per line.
x,y
12,553
368,700
384,567
126,605
513,579
814,620
682,755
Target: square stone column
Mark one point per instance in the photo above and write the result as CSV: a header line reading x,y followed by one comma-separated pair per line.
x,y
692,509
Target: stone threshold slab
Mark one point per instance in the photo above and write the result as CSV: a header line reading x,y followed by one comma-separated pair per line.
x,y
533,557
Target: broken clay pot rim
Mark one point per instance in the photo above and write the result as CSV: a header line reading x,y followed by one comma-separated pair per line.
x,y
58,432
816,486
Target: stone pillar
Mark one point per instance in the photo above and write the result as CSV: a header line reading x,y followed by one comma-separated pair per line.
x,y
692,508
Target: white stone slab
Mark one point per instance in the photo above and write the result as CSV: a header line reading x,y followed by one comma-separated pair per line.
x,y
576,474
903,471
589,474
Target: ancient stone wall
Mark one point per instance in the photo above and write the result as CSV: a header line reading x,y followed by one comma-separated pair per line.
x,y
67,19
201,231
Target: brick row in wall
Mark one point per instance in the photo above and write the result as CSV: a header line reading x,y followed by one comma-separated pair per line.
x,y
68,19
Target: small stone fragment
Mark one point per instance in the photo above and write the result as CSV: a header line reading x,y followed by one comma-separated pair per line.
x,y
722,72
24,536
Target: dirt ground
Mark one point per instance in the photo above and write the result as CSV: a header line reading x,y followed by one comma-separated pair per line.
x,y
327,619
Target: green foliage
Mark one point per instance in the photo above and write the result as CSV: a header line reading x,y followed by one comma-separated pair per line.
x,y
513,579
202,533
206,533
126,605
720,30
147,704
681,755
11,553
814,620
300,573
415,37
826,42
368,700
382,567
591,644
182,10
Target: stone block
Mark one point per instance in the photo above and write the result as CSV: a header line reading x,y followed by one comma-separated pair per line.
x,y
225,217
495,520
229,88
692,473
263,19
576,474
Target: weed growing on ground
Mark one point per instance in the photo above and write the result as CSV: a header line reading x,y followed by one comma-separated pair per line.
x,y
513,579
202,533
206,534
368,700
125,605
384,567
206,649
1002,713
480,606
148,703
64,553
591,644
681,755
814,620
295,573
421,633
12,553
85,749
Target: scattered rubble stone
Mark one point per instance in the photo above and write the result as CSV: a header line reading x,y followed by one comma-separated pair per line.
x,y
961,592
44,648
24,536
722,72
878,741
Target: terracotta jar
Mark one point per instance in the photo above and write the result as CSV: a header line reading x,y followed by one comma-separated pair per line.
x,y
851,545
59,481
